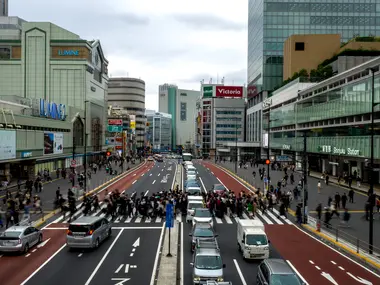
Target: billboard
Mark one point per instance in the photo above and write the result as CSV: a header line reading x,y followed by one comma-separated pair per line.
x,y
118,122
229,91
7,144
208,91
114,129
132,124
53,143
252,91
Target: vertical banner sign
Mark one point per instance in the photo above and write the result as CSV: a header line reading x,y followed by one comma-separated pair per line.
x,y
53,143
132,126
208,91
169,215
7,144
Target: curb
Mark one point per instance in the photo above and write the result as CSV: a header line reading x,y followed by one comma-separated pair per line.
x,y
42,220
314,231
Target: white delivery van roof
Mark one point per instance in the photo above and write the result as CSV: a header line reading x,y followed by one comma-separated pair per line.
x,y
191,167
255,231
188,163
251,224
195,199
194,188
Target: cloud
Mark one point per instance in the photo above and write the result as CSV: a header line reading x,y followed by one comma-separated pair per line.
x,y
237,77
131,19
209,22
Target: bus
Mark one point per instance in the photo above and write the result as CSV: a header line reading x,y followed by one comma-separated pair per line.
x,y
187,156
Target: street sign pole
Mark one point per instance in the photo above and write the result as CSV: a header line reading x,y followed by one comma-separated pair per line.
x,y
169,223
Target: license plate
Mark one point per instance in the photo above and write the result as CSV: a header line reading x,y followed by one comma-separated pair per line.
x,y
8,243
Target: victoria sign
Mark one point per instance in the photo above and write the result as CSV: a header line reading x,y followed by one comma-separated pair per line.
x,y
229,91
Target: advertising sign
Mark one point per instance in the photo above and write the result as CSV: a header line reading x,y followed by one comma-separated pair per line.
x,y
52,110
252,91
68,52
229,91
7,144
26,154
132,125
118,122
114,129
53,143
207,91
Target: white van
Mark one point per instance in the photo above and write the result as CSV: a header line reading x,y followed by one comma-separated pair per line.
x,y
252,239
193,202
186,163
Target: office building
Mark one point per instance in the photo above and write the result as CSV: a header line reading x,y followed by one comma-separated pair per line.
x,y
181,104
129,94
4,8
159,132
335,115
53,91
270,23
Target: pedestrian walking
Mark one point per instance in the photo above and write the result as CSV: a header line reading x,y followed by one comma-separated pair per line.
x,y
319,187
344,200
351,196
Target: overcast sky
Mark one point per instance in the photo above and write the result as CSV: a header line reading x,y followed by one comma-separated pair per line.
x,y
159,41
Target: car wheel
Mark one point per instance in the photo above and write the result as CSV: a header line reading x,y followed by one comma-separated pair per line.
x,y
26,248
40,239
97,243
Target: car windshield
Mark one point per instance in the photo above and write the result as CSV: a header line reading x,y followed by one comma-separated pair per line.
x,y
195,205
219,187
194,191
203,232
192,183
79,228
285,279
256,240
11,234
208,262
191,172
191,177
202,214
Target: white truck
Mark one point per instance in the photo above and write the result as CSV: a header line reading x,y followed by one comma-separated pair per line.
x,y
252,240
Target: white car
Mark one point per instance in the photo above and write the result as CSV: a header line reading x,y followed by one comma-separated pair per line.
x,y
191,206
194,191
202,216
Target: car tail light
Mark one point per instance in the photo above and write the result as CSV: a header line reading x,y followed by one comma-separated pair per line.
x,y
90,232
69,233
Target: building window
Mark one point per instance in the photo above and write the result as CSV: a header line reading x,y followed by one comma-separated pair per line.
x,y
5,53
183,111
300,46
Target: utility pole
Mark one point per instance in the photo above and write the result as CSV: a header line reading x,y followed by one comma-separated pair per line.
x,y
304,171
236,144
85,146
73,168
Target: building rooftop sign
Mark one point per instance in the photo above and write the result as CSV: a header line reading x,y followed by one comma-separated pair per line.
x,y
52,110
70,52
229,91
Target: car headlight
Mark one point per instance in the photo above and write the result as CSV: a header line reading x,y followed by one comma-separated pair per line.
x,y
266,248
197,278
247,247
220,279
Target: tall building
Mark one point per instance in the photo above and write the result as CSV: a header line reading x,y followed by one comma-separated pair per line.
x,y
181,104
56,86
270,23
3,8
159,132
129,94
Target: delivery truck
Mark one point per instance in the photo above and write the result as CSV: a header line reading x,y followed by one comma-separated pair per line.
x,y
252,240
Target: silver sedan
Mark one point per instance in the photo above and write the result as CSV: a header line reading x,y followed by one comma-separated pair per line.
x,y
19,239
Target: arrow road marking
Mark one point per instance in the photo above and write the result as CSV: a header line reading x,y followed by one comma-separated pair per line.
x,y
42,244
122,280
329,277
359,279
136,243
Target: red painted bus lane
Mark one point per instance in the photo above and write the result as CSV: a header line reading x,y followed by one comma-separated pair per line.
x,y
15,269
316,262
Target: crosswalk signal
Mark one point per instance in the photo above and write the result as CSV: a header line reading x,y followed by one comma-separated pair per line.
x,y
108,153
267,161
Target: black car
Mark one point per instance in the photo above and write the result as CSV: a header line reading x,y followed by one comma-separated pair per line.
x,y
202,231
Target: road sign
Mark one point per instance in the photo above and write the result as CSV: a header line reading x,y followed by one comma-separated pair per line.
x,y
169,216
73,163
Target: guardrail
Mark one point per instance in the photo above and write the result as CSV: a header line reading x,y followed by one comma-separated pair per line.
x,y
341,236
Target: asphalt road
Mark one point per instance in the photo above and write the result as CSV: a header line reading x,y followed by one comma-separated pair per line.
x,y
358,227
315,262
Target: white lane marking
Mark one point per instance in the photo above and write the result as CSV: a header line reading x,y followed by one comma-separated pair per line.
x,y
80,254
134,174
245,216
146,193
150,174
204,188
131,254
289,222
27,255
158,220
208,168
119,268
103,258
127,268
154,181
359,279
179,218
133,249
175,172
266,219
162,169
181,261
34,250
223,184
312,262
245,186
341,268
134,182
212,173
362,266
142,174
296,271
218,220
318,267
278,221
128,220
157,256
46,262
239,272
333,262
228,219
138,220
159,174
136,228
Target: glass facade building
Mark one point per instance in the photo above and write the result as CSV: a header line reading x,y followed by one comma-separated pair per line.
x,y
160,130
270,23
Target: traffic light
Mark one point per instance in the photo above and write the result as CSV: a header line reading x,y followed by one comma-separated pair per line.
x,y
267,161
108,153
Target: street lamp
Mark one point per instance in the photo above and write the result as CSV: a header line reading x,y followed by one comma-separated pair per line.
x,y
85,145
267,103
236,144
304,186
372,179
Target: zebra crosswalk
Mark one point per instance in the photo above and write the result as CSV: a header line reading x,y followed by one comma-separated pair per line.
x,y
269,218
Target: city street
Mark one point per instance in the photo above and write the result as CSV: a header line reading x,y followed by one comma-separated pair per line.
x,y
358,226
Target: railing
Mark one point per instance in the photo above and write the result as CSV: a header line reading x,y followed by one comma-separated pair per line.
x,y
352,244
